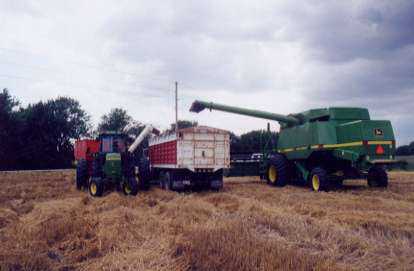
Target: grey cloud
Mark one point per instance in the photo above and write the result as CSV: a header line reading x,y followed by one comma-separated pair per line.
x,y
341,31
324,52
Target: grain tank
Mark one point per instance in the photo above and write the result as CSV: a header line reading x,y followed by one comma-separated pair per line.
x,y
322,147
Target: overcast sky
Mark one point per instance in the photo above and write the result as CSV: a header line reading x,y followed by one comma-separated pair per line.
x,y
281,56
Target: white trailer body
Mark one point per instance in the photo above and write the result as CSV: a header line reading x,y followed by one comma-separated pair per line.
x,y
197,154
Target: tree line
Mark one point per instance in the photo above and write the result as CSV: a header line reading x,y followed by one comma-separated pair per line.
x,y
405,150
42,135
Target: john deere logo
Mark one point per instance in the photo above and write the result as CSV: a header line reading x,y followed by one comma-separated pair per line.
x,y
378,132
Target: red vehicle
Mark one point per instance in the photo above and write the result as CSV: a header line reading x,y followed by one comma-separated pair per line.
x,y
84,151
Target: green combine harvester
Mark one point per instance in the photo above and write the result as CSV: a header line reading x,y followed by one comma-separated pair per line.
x,y
322,147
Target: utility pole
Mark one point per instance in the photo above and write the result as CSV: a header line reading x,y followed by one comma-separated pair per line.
x,y
176,108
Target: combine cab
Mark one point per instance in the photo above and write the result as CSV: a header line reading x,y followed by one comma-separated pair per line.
x,y
322,147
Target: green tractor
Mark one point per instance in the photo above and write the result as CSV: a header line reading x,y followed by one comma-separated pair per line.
x,y
106,162
322,147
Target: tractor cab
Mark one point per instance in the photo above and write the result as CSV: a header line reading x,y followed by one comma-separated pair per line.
x,y
112,142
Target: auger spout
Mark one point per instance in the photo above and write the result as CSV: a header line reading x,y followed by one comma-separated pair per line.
x,y
199,106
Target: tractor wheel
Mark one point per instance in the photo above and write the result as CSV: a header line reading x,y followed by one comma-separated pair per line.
x,y
130,187
97,170
81,174
96,187
278,170
318,180
144,174
377,177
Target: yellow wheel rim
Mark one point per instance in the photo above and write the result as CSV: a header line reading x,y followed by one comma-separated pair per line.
x,y
315,182
93,188
127,189
272,174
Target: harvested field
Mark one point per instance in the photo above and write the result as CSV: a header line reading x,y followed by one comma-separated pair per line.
x,y
46,224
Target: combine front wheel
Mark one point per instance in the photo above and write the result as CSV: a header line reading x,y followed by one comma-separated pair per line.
x,y
278,170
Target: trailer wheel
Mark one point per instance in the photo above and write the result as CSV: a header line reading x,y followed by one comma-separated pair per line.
x,y
130,186
318,180
81,174
161,180
216,182
377,177
96,187
168,181
277,170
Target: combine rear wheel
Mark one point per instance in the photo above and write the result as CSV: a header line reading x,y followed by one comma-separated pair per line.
x,y
278,170
377,177
318,180
81,174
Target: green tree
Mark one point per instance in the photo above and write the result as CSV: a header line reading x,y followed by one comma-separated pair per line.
x,y
411,148
116,120
405,150
253,142
8,130
47,131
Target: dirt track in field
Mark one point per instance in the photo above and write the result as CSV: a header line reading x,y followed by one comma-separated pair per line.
x,y
46,224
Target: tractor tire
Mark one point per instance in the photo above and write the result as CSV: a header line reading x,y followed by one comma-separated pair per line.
x,y
277,170
97,170
144,174
81,174
130,187
377,177
318,180
96,187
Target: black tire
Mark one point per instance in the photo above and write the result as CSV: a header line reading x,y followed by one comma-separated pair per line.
x,y
130,187
161,178
97,170
217,176
96,187
81,174
144,174
168,181
318,180
377,177
277,172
